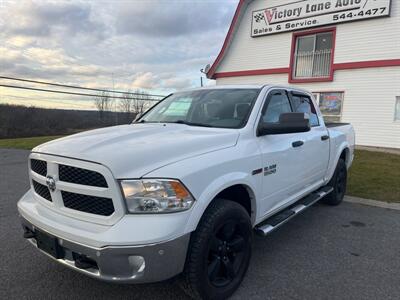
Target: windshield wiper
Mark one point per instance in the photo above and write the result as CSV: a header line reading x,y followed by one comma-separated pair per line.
x,y
190,123
144,121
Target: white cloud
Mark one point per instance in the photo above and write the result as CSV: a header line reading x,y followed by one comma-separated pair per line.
x,y
47,56
158,45
146,80
9,54
160,18
177,83
20,41
41,18
166,81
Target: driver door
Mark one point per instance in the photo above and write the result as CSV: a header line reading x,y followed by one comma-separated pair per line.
x,y
282,164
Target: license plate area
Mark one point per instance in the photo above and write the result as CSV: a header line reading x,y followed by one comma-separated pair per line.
x,y
48,244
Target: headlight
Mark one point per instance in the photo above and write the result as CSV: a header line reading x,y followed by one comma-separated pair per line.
x,y
156,196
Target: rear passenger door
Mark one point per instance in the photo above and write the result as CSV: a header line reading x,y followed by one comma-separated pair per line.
x,y
315,152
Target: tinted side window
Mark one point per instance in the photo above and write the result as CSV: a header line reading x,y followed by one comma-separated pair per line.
x,y
278,104
303,104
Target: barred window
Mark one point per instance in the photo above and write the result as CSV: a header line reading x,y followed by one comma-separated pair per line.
x,y
313,56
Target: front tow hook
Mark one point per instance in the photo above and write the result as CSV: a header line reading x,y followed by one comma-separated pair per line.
x,y
28,234
84,262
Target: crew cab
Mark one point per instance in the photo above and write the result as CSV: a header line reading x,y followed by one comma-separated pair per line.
x,y
182,189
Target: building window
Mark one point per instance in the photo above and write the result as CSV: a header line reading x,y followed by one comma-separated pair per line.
x,y
312,56
397,110
331,105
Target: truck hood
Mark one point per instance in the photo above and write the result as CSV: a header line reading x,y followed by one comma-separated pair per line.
x,y
131,151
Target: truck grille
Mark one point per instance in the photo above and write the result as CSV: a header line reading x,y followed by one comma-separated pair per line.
x,y
80,186
39,166
41,190
81,176
89,204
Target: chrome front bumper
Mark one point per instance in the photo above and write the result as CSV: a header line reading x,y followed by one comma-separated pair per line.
x,y
122,264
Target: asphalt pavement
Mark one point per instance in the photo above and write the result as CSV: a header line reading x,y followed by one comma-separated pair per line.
x,y
346,252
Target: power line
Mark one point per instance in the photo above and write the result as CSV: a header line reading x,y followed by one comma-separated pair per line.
x,y
43,98
76,87
69,102
60,104
73,93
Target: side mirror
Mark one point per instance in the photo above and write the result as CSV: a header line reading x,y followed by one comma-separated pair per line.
x,y
288,123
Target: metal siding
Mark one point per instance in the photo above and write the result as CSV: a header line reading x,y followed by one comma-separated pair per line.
x,y
373,39
247,53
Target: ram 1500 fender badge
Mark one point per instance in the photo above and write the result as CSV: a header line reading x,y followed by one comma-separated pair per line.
x,y
270,170
51,183
258,171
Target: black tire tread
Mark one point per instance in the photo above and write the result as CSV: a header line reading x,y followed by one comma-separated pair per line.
x,y
199,236
331,198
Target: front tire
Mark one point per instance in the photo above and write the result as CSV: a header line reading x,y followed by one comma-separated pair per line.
x,y
339,184
219,251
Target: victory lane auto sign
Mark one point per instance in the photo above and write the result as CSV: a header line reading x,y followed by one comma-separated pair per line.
x,y
312,13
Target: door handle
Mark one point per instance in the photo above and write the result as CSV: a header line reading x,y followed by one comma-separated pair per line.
x,y
324,137
297,144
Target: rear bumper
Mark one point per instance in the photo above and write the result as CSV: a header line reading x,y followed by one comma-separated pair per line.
x,y
122,264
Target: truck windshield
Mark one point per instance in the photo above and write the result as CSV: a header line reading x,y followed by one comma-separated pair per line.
x,y
223,108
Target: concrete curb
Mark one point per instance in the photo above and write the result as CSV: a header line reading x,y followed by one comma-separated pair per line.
x,y
379,149
381,204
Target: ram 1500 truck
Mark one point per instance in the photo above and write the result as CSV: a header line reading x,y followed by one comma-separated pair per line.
x,y
182,189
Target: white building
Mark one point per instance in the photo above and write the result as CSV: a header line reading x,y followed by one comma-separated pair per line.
x,y
347,52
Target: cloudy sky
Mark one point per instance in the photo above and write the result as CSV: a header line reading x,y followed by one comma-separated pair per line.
x,y
158,45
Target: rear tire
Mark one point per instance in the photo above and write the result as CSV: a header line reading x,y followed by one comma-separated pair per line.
x,y
339,184
219,252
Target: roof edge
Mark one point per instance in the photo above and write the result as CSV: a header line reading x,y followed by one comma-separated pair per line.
x,y
228,38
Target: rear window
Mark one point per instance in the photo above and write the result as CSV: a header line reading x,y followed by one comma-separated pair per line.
x,y
303,103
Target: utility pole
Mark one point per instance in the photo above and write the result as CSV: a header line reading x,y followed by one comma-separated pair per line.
x,y
204,71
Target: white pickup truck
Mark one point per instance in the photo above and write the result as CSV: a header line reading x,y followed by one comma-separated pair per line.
x,y
183,188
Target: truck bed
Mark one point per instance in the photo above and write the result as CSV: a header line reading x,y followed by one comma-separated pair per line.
x,y
338,133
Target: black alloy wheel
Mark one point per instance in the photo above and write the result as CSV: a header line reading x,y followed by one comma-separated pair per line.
x,y
338,183
341,182
226,253
219,251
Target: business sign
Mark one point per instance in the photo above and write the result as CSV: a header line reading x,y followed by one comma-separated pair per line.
x,y
312,13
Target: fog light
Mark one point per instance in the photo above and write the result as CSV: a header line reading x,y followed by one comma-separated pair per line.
x,y
138,263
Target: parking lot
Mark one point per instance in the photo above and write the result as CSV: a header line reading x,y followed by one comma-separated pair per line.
x,y
346,252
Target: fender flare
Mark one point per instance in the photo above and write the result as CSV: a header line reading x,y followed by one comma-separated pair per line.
x,y
332,167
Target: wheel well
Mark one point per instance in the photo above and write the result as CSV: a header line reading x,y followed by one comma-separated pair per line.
x,y
345,155
240,194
